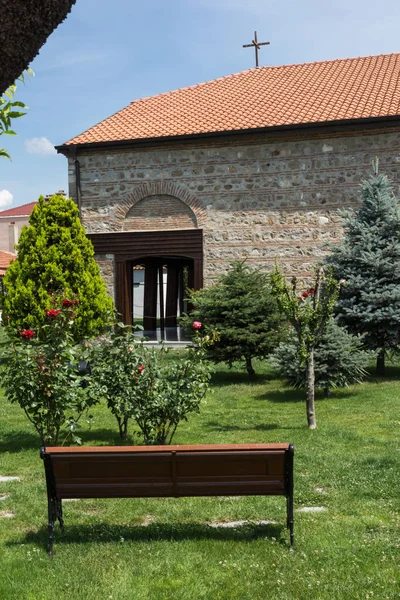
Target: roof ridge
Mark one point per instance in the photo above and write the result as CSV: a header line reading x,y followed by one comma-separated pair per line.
x,y
255,69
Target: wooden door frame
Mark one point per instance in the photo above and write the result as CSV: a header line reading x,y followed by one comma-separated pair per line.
x,y
128,247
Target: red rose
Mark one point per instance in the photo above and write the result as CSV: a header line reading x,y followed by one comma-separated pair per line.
x,y
311,291
27,334
140,368
75,302
300,298
305,294
67,303
197,325
52,313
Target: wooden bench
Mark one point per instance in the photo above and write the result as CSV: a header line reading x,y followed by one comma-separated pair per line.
x,y
165,471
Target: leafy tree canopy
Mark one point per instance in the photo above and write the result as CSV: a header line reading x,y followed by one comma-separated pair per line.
x,y
10,109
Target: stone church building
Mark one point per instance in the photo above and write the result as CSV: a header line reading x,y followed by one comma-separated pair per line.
x,y
251,166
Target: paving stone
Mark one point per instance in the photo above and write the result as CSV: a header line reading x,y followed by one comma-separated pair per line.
x,y
8,478
7,515
312,509
4,496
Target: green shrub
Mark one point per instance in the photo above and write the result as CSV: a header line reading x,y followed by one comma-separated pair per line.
x,y
117,363
138,384
339,360
54,255
41,374
244,312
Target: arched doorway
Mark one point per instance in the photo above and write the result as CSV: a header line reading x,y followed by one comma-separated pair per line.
x,y
159,286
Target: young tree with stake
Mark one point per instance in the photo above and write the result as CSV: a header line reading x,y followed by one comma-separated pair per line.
x,y
308,312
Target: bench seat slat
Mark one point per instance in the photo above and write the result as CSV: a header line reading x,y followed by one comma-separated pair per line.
x,y
232,488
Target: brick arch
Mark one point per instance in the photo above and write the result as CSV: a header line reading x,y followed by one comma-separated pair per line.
x,y
157,188
159,211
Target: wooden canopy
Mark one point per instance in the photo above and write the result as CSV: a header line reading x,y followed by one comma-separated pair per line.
x,y
25,26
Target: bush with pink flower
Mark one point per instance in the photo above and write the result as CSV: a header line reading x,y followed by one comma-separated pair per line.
x,y
142,387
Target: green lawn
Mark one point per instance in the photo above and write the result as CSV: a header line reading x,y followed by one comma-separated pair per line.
x,y
157,549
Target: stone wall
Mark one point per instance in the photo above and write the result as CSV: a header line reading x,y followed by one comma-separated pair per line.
x,y
107,265
258,197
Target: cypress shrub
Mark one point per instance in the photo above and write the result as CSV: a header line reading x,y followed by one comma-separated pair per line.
x,y
55,256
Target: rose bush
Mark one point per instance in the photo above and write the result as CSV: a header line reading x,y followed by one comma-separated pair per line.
x,y
40,373
169,392
140,384
117,364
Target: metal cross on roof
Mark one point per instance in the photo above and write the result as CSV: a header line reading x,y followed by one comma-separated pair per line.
x,y
256,45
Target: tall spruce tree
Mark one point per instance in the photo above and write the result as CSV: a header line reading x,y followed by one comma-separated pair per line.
x,y
243,310
368,259
55,256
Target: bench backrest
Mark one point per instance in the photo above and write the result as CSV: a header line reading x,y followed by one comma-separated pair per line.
x,y
150,471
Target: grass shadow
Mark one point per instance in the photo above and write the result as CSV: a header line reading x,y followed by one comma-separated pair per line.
x,y
83,534
288,395
223,378
18,441
105,437
392,373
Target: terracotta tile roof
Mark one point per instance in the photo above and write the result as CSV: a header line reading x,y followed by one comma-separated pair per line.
x,y
352,88
19,211
5,259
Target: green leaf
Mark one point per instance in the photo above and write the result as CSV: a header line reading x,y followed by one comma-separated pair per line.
x,y
16,114
4,153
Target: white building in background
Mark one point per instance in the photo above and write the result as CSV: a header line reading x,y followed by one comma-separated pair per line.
x,y
12,221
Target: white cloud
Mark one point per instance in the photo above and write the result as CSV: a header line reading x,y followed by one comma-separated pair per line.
x,y
41,146
6,198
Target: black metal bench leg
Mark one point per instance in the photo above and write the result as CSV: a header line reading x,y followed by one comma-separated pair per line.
x,y
290,519
51,520
60,514
289,454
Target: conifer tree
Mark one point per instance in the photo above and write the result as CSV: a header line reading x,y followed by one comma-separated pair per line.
x,y
368,259
242,309
339,360
55,256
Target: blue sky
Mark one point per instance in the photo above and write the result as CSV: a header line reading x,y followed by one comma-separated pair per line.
x,y
108,53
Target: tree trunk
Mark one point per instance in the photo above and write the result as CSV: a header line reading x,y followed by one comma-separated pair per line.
x,y
310,391
380,362
249,367
123,427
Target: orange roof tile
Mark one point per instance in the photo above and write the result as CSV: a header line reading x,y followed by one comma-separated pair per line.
x,y
5,259
335,90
